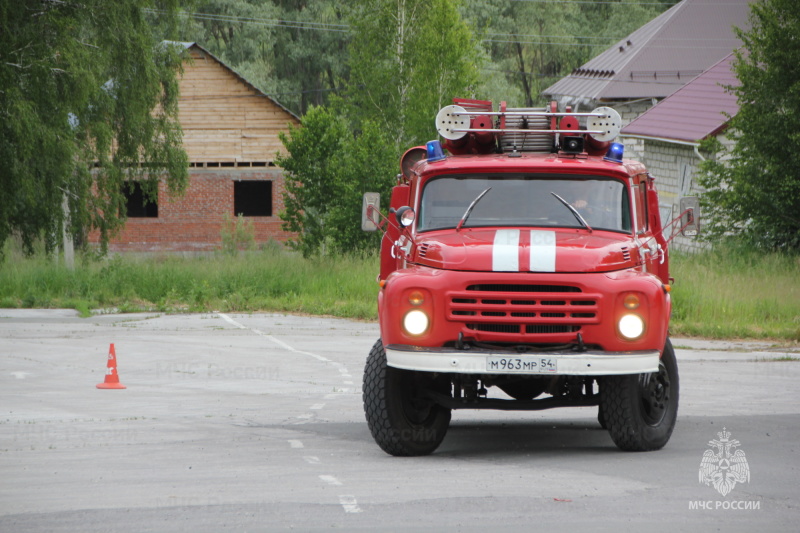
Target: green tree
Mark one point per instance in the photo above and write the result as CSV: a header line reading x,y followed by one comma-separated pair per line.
x,y
88,100
369,164
538,44
328,169
530,45
753,189
293,50
408,58
310,167
240,33
311,57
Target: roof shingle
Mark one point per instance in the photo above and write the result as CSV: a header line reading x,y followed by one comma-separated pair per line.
x,y
661,56
700,109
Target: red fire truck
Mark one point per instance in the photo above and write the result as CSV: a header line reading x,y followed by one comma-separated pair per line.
x,y
526,270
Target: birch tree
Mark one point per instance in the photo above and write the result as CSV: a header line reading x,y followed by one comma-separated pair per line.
x,y
88,100
406,58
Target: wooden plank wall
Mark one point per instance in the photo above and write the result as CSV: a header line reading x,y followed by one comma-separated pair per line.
x,y
224,119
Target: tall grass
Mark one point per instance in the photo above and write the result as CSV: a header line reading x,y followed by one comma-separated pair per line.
x,y
736,293
271,280
729,293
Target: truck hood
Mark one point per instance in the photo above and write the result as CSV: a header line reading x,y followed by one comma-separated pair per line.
x,y
525,250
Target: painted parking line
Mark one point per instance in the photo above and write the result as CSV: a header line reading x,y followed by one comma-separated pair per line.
x,y
349,503
330,480
272,339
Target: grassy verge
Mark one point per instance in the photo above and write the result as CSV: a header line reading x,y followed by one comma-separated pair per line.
x,y
258,281
731,294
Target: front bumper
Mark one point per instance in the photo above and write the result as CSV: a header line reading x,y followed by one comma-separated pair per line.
x,y
477,361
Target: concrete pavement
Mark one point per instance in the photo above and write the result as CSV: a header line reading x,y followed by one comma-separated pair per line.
x,y
254,423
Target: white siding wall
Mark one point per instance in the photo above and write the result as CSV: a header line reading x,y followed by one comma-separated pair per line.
x,y
631,110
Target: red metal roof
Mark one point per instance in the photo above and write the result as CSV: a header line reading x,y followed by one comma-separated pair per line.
x,y
694,112
661,56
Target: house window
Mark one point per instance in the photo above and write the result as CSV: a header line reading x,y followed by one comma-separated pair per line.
x,y
252,198
137,204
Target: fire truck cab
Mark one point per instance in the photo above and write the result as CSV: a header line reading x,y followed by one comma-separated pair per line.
x,y
526,270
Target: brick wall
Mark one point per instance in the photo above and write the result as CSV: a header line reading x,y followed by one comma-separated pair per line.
x,y
193,222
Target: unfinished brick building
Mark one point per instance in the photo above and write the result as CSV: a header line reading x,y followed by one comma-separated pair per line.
x,y
230,133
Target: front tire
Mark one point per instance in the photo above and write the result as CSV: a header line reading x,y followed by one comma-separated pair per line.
x,y
401,420
640,410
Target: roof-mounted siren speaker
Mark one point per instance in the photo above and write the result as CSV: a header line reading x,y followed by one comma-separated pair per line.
x,y
464,131
448,119
608,123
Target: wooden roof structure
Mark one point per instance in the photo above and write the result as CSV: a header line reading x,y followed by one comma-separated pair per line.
x,y
226,120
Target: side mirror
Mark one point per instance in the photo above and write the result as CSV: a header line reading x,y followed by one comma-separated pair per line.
x,y
370,209
690,216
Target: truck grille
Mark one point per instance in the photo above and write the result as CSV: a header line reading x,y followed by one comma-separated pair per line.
x,y
537,311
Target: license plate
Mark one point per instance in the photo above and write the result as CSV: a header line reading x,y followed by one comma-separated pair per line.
x,y
523,365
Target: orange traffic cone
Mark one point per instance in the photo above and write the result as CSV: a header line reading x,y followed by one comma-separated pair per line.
x,y
112,378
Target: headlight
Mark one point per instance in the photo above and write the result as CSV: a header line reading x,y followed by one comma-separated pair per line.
x,y
416,322
631,326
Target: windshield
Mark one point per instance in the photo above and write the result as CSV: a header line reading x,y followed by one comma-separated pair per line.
x,y
524,200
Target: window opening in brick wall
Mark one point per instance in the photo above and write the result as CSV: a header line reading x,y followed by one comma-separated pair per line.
x,y
252,198
137,204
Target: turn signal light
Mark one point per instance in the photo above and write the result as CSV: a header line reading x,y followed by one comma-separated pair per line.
x,y
416,298
631,301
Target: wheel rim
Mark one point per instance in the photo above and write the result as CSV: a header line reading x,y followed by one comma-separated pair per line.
x,y
655,395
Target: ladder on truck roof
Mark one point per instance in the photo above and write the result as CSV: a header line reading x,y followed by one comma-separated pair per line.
x,y
521,129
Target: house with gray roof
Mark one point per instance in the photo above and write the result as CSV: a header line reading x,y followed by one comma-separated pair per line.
x,y
669,134
656,60
666,81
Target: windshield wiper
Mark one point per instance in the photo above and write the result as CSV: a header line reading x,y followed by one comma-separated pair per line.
x,y
471,206
574,212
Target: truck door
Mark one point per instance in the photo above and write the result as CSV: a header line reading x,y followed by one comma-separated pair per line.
x,y
389,261
649,250
654,221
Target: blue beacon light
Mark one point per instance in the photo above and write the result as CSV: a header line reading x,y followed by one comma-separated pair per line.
x,y
435,152
614,153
